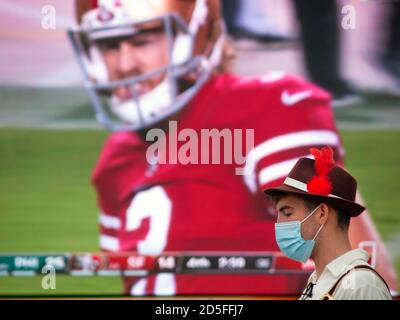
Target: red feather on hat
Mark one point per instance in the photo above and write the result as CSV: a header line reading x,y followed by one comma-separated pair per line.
x,y
324,162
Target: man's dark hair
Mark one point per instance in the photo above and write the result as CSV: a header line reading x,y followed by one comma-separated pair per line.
x,y
343,217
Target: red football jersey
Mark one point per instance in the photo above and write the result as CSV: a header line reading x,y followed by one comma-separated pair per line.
x,y
158,208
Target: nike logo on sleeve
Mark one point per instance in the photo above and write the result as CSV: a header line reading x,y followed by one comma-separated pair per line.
x,y
290,99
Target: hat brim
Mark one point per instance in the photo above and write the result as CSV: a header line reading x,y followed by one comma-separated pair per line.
x,y
352,208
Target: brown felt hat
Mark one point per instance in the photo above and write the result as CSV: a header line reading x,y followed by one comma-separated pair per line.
x,y
342,192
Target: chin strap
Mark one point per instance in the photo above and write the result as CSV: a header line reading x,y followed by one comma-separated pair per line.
x,y
199,16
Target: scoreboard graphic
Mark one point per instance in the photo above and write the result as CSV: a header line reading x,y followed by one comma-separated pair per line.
x,y
133,264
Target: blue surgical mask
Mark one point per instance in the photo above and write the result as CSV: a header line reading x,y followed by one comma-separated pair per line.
x,y
292,244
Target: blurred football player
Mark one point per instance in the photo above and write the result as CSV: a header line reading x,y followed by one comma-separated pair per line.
x,y
149,62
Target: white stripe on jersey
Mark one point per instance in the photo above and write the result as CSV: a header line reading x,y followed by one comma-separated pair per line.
x,y
109,243
109,222
165,284
278,170
139,288
281,143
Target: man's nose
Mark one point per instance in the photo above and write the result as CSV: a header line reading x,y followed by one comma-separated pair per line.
x,y
128,62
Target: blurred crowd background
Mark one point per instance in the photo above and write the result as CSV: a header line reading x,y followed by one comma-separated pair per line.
x,y
289,35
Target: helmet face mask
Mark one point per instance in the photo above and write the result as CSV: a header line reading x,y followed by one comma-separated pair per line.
x,y
157,54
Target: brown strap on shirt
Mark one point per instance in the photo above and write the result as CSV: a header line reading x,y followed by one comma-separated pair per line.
x,y
329,295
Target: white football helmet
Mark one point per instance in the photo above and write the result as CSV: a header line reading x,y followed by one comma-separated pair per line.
x,y
195,34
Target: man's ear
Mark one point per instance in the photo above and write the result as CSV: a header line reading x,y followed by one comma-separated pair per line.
x,y
323,213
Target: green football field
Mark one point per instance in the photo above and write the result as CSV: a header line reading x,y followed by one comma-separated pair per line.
x,y
47,203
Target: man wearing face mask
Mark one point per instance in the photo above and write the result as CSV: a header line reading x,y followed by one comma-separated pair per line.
x,y
315,204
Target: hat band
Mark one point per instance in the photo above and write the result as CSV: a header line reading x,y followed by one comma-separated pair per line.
x,y
303,187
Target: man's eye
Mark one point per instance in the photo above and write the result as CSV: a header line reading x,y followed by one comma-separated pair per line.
x,y
139,42
146,38
287,214
108,44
